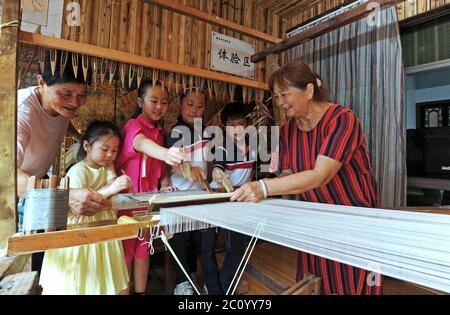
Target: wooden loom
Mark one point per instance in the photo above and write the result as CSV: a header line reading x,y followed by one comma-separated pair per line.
x,y
224,217
310,285
76,235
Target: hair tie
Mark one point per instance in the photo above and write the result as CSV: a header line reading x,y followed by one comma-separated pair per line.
x,y
319,82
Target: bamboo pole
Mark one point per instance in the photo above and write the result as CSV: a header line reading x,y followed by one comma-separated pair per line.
x,y
8,105
183,8
345,18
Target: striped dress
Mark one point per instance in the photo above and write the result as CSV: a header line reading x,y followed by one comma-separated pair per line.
x,y
339,136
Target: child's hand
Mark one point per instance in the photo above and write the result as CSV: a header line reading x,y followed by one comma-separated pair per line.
x,y
197,175
120,183
173,156
217,175
169,189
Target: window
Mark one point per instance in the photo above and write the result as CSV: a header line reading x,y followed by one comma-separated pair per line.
x,y
426,42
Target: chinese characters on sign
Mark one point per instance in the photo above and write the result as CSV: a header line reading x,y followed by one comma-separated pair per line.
x,y
232,56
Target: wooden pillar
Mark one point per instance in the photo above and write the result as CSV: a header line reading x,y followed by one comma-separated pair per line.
x,y
272,65
8,99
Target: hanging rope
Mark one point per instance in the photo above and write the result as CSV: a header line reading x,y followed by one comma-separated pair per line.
x,y
153,234
15,23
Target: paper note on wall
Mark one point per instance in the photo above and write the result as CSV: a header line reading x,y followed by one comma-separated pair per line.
x,y
34,5
46,14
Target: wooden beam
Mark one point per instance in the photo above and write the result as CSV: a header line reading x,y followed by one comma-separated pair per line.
x,y
299,284
433,210
14,264
8,105
428,183
267,279
309,7
26,244
212,19
189,198
115,55
26,283
425,16
345,18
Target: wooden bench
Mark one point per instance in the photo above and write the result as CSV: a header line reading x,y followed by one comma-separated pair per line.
x,y
310,285
24,283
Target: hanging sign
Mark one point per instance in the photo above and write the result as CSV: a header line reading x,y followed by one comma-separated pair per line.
x,y
232,56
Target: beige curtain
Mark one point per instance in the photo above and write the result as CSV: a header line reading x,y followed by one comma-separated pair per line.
x,y
362,63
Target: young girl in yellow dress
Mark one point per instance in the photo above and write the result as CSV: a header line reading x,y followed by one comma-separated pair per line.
x,y
100,268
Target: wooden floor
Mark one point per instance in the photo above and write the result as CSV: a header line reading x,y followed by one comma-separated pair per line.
x,y
271,270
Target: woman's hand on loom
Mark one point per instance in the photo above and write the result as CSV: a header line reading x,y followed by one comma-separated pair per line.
x,y
173,156
250,192
87,202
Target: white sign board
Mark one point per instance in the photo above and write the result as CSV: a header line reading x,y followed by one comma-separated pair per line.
x,y
232,56
48,14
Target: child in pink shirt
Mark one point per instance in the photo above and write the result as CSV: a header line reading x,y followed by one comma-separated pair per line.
x,y
143,159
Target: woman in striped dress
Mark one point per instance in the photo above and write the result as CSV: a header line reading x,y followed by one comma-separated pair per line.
x,y
324,159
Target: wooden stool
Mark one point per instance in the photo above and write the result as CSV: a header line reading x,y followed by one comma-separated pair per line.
x,y
310,285
25,283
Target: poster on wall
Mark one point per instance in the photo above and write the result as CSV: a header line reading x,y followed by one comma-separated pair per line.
x,y
46,14
231,55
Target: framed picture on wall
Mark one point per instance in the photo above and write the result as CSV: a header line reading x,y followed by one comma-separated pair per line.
x,y
434,114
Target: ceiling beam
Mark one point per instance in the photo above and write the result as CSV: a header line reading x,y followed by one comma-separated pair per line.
x,y
311,7
121,56
345,18
212,19
425,16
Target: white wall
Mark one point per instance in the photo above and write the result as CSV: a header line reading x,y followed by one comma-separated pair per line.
x,y
425,87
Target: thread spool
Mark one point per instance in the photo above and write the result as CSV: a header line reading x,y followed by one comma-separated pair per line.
x,y
46,209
